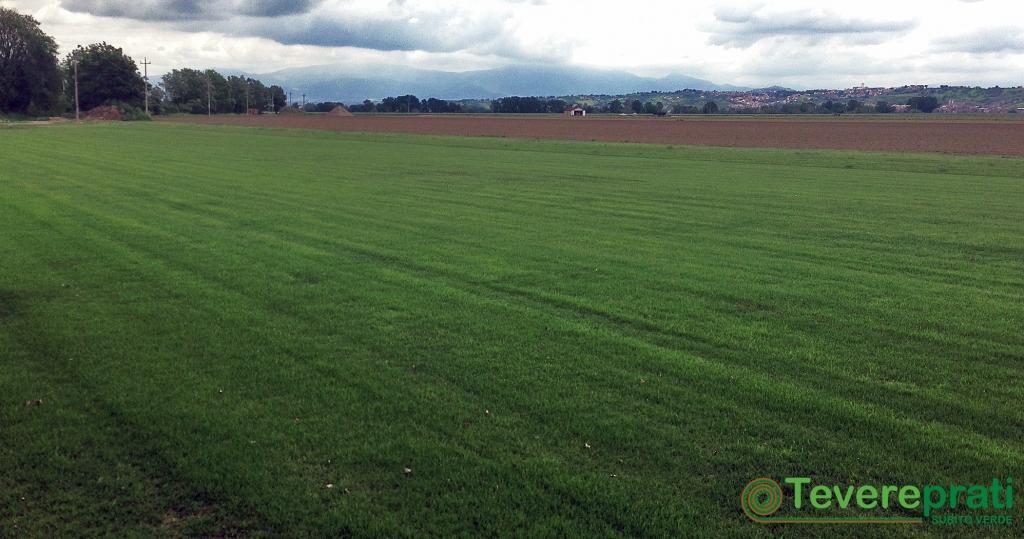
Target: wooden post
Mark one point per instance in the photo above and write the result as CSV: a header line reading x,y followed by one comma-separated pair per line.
x,y
76,92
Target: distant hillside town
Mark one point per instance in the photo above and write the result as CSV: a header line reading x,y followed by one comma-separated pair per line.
x,y
860,100
863,99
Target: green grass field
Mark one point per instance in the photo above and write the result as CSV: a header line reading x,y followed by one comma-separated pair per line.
x,y
556,338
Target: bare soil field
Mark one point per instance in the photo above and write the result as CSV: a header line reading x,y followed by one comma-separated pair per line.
x,y
936,135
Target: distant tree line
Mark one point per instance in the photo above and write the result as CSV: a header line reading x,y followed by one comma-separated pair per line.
x,y
528,105
407,103
541,105
34,82
924,104
200,91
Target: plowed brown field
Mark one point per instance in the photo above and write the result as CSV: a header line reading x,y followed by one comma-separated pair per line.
x,y
955,136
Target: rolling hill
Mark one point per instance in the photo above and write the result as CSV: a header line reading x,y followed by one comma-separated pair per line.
x,y
349,84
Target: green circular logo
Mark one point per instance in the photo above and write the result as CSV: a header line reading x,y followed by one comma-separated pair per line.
x,y
761,497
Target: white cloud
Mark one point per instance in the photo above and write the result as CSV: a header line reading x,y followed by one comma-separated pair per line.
x,y
737,27
800,43
998,39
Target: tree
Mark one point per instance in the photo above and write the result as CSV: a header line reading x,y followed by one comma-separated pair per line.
x,y
923,103
710,108
238,97
654,108
883,107
557,106
833,107
853,105
440,105
366,106
257,94
636,106
157,98
30,80
105,75
186,90
616,107
402,103
216,93
408,103
685,109
278,97
520,105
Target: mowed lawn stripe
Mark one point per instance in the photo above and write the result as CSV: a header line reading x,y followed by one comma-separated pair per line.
x,y
684,357
179,282
712,350
182,282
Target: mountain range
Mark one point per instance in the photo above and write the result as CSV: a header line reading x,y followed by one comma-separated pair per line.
x,y
351,85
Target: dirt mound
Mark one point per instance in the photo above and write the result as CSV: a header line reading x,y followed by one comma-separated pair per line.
x,y
339,111
105,113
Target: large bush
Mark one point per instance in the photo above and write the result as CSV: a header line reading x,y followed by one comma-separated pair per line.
x,y
105,75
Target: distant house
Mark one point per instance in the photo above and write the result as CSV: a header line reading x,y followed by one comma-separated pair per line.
x,y
575,110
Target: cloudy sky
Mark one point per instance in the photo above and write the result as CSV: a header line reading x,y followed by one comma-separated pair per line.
x,y
796,43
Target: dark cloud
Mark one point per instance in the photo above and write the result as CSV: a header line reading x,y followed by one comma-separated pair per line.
x,y
989,40
188,10
744,27
433,32
401,26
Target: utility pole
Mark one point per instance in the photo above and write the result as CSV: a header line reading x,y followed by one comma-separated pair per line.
x,y
303,100
76,91
209,108
145,80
